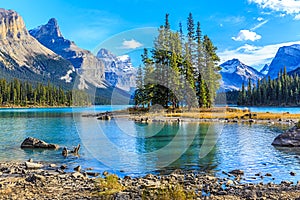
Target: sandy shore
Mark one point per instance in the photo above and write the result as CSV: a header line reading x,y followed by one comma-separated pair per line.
x,y
17,181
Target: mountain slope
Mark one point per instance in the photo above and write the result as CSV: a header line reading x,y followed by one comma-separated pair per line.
x,y
235,73
287,56
23,57
87,65
294,72
265,70
119,71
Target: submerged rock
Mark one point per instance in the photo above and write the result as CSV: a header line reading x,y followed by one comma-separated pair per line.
x,y
36,143
237,172
290,138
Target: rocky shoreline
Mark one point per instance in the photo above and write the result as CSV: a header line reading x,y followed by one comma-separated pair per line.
x,y
49,181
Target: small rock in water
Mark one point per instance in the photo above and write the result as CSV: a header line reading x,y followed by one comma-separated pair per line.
x,y
63,167
293,173
78,168
30,160
105,173
237,172
268,174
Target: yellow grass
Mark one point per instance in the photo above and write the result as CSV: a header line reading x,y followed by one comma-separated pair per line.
x,y
225,113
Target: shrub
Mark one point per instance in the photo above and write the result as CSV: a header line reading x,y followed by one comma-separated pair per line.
x,y
109,185
298,125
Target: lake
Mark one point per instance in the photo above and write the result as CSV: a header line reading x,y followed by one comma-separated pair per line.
x,y
124,147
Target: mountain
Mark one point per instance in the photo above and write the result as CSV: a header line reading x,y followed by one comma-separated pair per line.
x,y
287,56
265,70
119,71
90,68
294,72
23,57
235,73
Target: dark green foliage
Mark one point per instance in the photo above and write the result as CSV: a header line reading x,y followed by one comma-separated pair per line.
x,y
182,71
229,97
283,91
17,93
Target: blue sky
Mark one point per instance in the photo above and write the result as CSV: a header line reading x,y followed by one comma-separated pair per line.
x,y
250,30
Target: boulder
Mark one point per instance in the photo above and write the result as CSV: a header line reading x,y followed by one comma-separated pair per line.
x,y
31,165
36,143
290,138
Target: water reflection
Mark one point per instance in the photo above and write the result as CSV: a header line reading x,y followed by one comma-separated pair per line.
x,y
141,148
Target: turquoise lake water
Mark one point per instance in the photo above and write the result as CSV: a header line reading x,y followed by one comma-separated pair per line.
x,y
127,148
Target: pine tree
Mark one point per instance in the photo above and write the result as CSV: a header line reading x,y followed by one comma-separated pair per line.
x,y
211,68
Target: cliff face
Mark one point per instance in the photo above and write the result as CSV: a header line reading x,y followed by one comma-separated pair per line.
x,y
288,57
87,65
11,25
22,56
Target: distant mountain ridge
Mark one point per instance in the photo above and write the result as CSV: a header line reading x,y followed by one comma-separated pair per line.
x,y
235,73
119,71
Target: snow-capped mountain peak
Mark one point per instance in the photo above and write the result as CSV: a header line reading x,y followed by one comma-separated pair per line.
x,y
231,66
119,71
235,73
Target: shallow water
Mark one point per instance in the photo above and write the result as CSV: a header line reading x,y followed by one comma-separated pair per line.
x,y
128,148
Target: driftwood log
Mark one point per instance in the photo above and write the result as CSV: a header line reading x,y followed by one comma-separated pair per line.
x,y
75,151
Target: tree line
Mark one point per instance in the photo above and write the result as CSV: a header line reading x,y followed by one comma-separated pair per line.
x,y
180,70
17,93
283,91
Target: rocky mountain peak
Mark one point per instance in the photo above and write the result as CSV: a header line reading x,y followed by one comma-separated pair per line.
x,y
235,73
105,54
51,29
12,25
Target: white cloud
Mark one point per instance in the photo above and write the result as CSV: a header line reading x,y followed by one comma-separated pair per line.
x,y
259,25
297,17
287,6
282,15
260,19
244,35
131,44
254,55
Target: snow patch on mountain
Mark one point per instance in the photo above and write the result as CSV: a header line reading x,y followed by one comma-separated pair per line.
x,y
119,71
235,73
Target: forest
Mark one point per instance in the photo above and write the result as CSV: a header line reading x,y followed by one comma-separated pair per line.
x,y
181,69
282,91
17,93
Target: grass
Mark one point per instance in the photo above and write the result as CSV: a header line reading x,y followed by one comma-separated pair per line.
x,y
231,113
109,185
